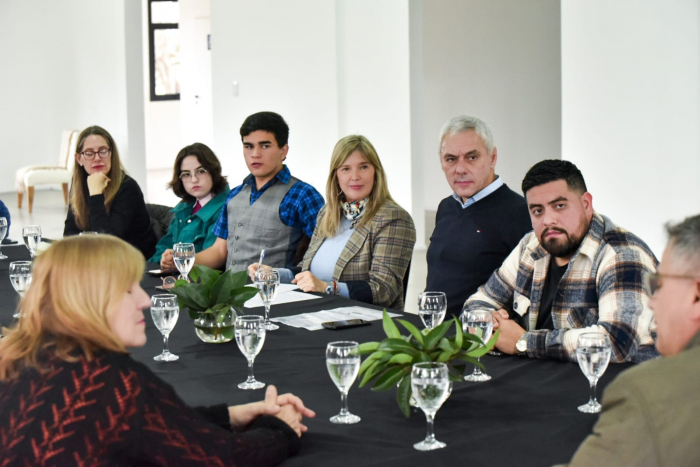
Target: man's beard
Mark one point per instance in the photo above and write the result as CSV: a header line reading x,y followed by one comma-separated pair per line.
x,y
561,248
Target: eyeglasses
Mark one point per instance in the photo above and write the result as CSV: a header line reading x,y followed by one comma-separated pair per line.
x,y
102,152
186,176
652,281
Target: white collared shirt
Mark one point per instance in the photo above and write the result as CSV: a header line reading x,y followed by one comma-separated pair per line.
x,y
493,186
203,201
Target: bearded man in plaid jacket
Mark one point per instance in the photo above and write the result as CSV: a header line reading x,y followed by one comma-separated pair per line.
x,y
576,272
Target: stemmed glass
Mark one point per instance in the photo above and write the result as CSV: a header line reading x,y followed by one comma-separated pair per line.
x,y
183,257
593,355
430,384
343,363
431,308
250,337
478,322
87,232
3,232
21,278
165,310
268,281
32,237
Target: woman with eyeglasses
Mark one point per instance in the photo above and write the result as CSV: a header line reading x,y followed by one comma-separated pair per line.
x,y
197,180
104,199
70,393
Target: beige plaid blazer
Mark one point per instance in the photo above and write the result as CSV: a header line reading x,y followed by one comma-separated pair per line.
x,y
378,253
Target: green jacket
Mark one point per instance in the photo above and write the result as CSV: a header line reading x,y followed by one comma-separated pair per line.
x,y
188,228
650,415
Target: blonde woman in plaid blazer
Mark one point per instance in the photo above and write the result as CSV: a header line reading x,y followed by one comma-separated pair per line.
x,y
363,240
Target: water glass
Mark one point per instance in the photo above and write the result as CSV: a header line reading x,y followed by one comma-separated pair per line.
x,y
250,337
343,363
165,310
479,323
32,237
3,232
431,386
183,257
87,232
431,308
593,355
268,281
21,278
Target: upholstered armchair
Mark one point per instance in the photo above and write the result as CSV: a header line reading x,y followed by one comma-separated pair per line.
x,y
28,177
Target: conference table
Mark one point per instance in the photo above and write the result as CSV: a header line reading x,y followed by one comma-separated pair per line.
x,y
526,415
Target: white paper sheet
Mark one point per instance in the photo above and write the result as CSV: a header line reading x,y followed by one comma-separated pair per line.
x,y
312,321
287,294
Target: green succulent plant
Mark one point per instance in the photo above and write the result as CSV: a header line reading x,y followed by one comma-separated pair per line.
x,y
390,361
212,292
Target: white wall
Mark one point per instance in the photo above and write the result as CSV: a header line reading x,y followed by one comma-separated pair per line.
x,y
499,60
283,56
59,72
374,86
631,108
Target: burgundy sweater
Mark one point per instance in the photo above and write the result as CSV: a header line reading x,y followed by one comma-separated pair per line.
x,y
113,411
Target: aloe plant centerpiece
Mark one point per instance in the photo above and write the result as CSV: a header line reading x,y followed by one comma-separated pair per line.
x,y
210,300
389,362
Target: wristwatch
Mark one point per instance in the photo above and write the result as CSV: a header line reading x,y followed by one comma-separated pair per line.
x,y
521,345
332,288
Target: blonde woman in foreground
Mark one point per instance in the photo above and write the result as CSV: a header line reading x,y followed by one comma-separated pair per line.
x,y
70,394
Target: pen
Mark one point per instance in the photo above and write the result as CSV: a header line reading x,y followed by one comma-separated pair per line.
x,y
262,256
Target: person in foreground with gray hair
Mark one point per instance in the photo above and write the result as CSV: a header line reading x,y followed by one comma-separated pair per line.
x,y
650,412
480,223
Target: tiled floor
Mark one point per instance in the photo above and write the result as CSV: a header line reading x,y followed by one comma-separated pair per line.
x,y
50,214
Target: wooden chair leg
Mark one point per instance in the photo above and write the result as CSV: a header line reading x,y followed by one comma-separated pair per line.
x,y
65,193
30,197
19,199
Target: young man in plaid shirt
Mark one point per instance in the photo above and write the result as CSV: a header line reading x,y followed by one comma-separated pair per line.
x,y
576,272
270,210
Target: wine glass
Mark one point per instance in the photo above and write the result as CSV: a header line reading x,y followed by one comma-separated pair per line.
x,y
87,232
593,355
250,337
343,363
165,311
32,237
3,232
183,257
431,308
478,322
430,384
268,281
21,278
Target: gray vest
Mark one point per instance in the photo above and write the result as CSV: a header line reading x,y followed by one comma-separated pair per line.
x,y
254,227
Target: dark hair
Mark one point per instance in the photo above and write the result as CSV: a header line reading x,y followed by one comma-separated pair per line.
x,y
551,170
209,161
267,121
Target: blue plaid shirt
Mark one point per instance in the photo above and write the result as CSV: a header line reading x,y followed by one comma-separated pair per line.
x,y
298,208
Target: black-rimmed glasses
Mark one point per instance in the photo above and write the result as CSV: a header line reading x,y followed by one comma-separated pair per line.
x,y
186,175
104,153
653,280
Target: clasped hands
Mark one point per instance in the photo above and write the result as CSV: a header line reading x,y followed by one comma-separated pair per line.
x,y
287,407
305,280
510,332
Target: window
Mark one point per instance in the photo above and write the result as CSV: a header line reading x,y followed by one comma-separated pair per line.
x,y
164,54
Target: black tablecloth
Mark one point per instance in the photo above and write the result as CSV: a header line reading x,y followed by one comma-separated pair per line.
x,y
526,415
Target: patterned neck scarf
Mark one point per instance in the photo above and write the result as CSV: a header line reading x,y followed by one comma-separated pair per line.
x,y
353,211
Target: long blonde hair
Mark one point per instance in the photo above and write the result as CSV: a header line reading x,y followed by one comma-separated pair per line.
x,y
330,222
76,285
79,187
